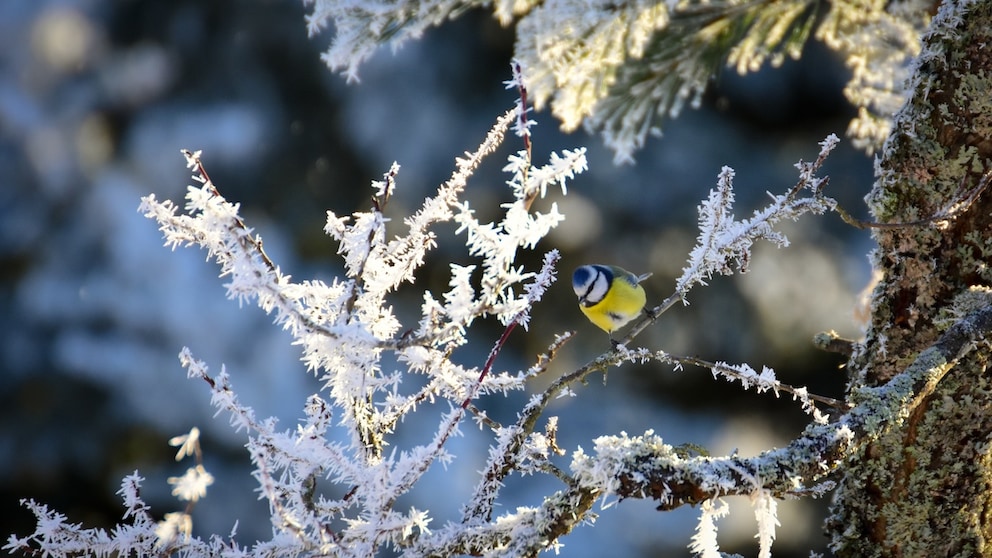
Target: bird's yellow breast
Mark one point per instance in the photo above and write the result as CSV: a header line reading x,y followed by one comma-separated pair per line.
x,y
622,303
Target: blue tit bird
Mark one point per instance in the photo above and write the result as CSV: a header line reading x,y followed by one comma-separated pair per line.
x,y
609,296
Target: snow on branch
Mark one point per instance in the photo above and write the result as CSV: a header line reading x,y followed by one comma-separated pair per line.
x,y
750,378
346,327
724,243
645,467
361,27
620,68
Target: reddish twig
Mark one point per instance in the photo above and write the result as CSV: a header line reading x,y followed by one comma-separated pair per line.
x,y
490,359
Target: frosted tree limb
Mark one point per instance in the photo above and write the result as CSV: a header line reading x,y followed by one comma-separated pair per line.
x,y
646,467
725,242
765,381
722,239
621,69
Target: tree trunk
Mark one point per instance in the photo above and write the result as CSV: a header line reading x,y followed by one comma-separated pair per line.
x,y
925,489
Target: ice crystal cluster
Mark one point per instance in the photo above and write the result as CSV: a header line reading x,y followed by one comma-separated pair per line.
x,y
334,483
344,328
618,68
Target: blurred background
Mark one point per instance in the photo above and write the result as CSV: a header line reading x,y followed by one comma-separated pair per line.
x,y
97,99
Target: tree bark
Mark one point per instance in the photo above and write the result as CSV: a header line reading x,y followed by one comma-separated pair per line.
x,y
925,488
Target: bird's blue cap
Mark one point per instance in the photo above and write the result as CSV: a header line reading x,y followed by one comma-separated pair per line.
x,y
584,275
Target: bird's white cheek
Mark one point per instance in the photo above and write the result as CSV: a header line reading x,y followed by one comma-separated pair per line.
x,y
598,291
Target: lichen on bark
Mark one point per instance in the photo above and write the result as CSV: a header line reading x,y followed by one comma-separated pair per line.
x,y
925,488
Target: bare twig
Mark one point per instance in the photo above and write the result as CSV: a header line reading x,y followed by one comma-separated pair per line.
x,y
831,342
952,210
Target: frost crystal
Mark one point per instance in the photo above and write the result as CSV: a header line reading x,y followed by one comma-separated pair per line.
x,y
192,485
345,329
766,514
704,543
724,243
620,68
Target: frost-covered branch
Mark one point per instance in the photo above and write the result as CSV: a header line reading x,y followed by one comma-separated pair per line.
x,y
722,239
55,536
619,68
346,327
645,467
878,40
761,382
724,243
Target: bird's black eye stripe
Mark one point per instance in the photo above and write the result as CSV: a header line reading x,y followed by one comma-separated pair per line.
x,y
592,284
